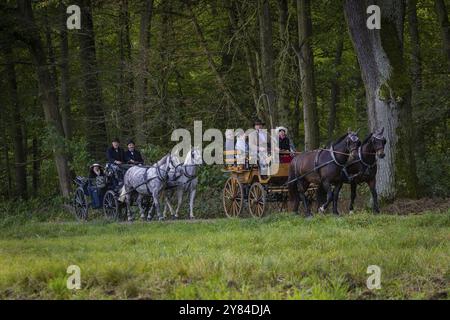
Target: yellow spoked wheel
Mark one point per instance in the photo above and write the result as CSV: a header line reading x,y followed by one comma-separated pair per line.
x,y
233,197
257,200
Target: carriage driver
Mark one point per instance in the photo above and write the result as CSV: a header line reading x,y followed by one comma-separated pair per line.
x,y
115,154
133,156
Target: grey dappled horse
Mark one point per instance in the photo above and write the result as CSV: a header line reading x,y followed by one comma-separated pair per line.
x,y
183,178
147,181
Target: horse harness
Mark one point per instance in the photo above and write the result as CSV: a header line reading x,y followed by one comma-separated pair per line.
x,y
318,166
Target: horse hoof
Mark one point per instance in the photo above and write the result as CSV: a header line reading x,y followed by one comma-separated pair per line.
x,y
321,209
309,217
161,219
149,218
191,217
174,217
351,212
130,219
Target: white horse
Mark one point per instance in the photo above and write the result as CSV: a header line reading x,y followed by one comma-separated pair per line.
x,y
183,178
147,181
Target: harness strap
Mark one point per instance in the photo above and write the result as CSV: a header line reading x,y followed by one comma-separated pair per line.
x,y
334,157
365,163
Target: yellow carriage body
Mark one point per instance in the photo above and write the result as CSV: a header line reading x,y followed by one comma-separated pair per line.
x,y
246,185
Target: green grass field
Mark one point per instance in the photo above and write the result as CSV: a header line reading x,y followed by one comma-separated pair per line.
x,y
278,257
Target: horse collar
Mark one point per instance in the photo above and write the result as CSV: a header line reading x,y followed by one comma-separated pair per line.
x,y
334,157
363,162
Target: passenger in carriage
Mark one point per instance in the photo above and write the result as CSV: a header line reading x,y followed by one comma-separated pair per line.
x,y
133,156
229,146
241,147
116,158
285,146
115,154
97,184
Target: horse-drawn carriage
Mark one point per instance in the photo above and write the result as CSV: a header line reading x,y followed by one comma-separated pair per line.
x,y
249,186
102,192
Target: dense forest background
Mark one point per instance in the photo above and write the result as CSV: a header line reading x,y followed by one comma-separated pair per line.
x,y
142,68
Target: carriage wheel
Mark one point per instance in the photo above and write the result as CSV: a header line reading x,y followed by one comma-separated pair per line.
x,y
111,205
257,200
80,204
233,197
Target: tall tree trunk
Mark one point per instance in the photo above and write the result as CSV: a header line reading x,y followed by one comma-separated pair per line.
x,y
416,61
125,85
142,71
249,52
283,69
16,129
66,116
267,60
36,166
335,88
442,14
49,100
380,55
165,53
306,62
93,97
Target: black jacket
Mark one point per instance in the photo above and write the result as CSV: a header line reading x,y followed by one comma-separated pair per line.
x,y
115,155
284,144
135,155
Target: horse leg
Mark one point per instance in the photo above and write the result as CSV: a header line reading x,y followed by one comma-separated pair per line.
x,y
191,203
373,190
352,196
336,191
128,205
293,197
150,211
156,194
180,192
303,186
128,202
139,201
327,187
167,204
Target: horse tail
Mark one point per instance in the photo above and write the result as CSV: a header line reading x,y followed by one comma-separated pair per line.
x,y
294,198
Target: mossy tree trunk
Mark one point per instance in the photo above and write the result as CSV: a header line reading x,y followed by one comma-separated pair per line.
x,y
267,61
31,37
442,14
92,95
388,91
306,62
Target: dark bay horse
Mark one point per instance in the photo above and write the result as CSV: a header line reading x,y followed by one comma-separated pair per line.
x,y
364,168
322,167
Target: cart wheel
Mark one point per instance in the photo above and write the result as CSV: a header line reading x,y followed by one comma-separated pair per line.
x,y
80,204
233,197
111,206
257,200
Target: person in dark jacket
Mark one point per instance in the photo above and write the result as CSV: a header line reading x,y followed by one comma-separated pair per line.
x,y
133,156
285,146
115,154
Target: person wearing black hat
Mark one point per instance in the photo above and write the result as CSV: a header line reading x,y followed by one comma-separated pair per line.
x,y
115,154
133,156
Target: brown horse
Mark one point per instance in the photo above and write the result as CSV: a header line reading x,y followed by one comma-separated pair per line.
x,y
364,168
322,167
